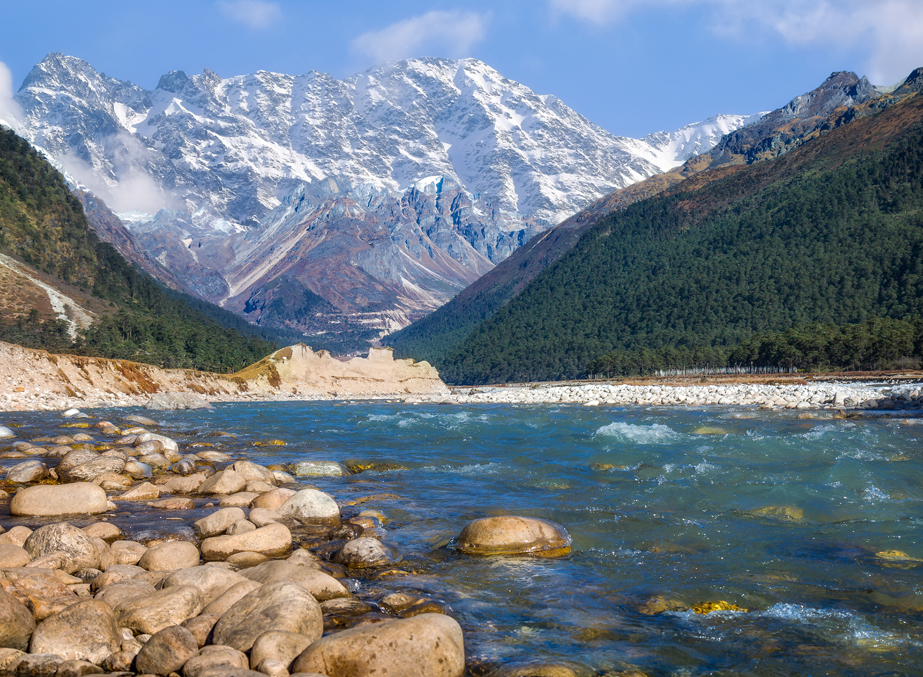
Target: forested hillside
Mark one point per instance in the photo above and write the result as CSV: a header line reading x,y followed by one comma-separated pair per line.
x,y
43,224
830,233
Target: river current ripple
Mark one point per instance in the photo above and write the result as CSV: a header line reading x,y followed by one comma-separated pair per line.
x,y
796,520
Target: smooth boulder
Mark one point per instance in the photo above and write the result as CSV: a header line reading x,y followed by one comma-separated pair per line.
x,y
428,645
166,651
27,471
510,535
365,552
271,540
170,556
281,646
152,613
213,656
321,585
62,499
218,522
311,506
280,606
16,623
86,630
80,552
211,581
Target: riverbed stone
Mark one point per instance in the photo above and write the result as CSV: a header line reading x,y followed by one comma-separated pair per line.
x,y
211,581
218,522
511,535
201,627
230,597
121,593
16,536
16,623
319,469
279,606
311,507
6,432
104,530
169,556
246,560
271,540
213,656
86,630
13,556
223,483
280,645
429,645
87,472
143,492
239,500
240,527
166,651
365,552
261,517
173,503
321,585
272,500
157,460
166,443
63,499
253,472
79,549
76,668
73,459
184,485
116,573
28,471
152,613
122,552
37,665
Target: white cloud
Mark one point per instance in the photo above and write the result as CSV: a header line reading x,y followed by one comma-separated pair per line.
x,y
889,32
9,109
128,186
441,33
255,14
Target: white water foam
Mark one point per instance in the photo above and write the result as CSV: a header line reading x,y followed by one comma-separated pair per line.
x,y
639,434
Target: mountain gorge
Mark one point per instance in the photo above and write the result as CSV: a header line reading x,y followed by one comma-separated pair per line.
x,y
388,192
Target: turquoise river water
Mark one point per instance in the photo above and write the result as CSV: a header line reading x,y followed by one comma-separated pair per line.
x,y
795,520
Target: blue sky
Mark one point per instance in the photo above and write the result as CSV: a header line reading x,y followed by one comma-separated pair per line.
x,y
631,66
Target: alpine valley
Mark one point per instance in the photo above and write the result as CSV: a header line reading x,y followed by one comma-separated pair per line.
x,y
341,209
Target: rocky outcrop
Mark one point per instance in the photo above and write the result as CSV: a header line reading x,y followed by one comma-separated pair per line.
x,y
62,381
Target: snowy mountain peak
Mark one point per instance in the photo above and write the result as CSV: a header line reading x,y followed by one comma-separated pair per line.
x,y
237,145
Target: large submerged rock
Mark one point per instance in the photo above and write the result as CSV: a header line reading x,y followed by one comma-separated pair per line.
x,y
510,535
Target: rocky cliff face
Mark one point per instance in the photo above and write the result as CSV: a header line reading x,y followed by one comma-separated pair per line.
x,y
35,379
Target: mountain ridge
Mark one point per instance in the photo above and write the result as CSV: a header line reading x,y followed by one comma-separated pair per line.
x,y
823,109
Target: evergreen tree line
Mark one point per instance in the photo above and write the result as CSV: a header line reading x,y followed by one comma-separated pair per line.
x,y
875,345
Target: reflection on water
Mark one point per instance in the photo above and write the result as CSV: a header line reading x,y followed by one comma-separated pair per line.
x,y
791,519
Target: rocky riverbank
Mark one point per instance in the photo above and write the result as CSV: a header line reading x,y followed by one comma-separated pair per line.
x,y
256,575
814,395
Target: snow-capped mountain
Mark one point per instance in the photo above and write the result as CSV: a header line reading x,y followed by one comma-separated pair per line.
x,y
426,172
240,144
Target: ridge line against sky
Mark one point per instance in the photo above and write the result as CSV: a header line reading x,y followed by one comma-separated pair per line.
x,y
631,66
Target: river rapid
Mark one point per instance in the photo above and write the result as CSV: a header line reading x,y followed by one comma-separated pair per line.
x,y
813,525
